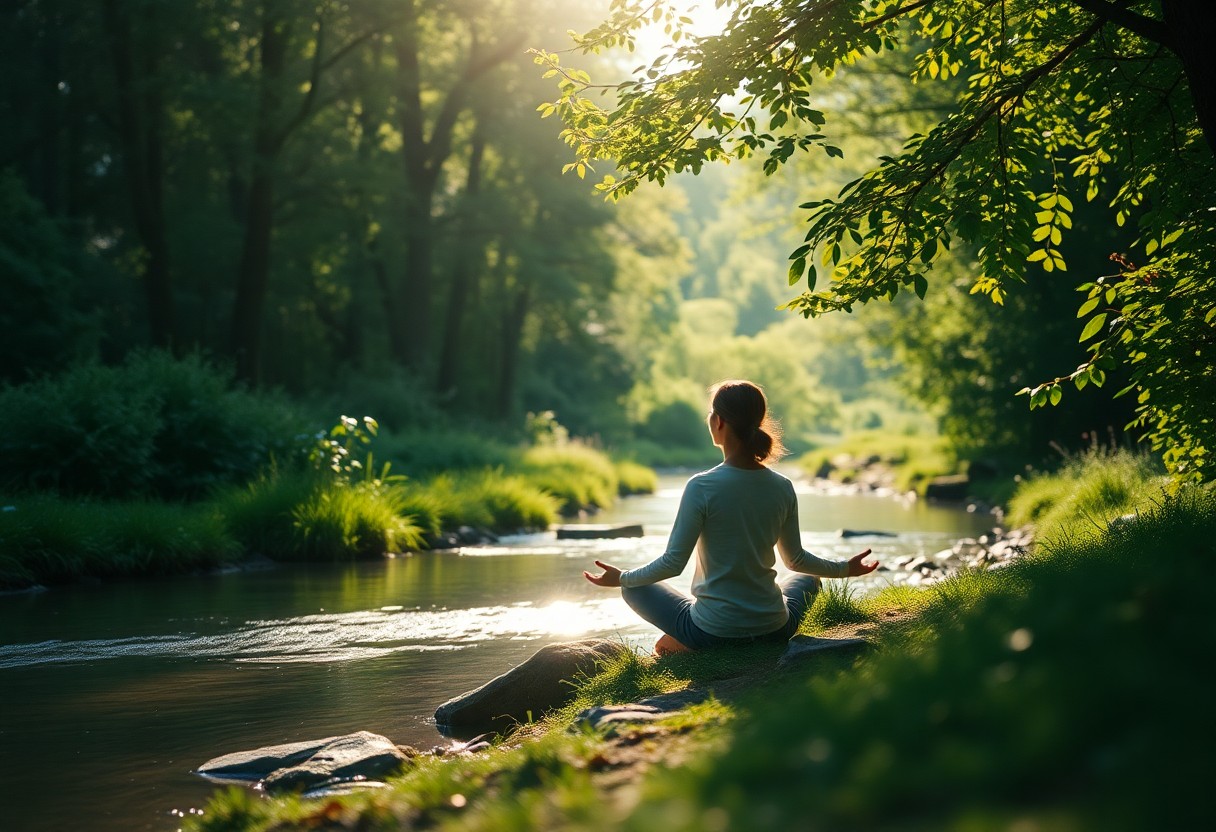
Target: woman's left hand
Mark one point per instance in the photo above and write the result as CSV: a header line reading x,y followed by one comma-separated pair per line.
x,y
858,567
611,576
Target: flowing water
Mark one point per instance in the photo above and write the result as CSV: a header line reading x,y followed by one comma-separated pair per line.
x,y
111,695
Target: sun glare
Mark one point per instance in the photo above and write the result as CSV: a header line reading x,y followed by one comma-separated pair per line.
x,y
707,19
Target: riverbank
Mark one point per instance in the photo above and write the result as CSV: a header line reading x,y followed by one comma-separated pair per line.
x,y
1043,693
919,464
301,514
163,466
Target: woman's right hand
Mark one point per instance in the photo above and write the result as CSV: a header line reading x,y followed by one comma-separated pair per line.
x,y
858,567
611,576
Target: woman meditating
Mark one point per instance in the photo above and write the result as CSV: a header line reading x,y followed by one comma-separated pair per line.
x,y
733,515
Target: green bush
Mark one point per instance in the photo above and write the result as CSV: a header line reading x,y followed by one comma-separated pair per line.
x,y
152,425
675,423
421,453
261,514
46,539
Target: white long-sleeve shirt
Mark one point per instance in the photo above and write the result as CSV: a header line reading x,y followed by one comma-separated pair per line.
x,y
733,517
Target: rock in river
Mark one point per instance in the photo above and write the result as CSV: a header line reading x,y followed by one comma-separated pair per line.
x,y
362,756
538,685
594,531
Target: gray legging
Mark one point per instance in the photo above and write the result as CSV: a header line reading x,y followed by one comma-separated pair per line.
x,y
671,611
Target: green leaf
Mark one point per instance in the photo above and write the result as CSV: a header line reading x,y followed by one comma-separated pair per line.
x,y
796,270
1091,328
1087,307
1056,394
921,285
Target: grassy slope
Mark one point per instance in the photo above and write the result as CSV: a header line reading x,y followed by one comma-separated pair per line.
x,y
1064,692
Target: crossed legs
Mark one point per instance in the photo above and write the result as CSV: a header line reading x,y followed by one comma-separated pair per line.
x,y
671,611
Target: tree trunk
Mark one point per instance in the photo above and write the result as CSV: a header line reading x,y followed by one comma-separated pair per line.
x,y
253,277
462,272
413,326
1192,29
512,336
139,135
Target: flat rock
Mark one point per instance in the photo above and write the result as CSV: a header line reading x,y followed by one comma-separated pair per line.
x,y
260,762
525,692
593,531
361,757
355,758
805,648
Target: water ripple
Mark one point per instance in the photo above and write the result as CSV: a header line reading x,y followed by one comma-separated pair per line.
x,y
331,637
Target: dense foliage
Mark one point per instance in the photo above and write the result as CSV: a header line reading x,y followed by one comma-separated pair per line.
x,y
152,425
333,197
1082,100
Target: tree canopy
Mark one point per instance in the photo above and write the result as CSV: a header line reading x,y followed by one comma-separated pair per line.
x,y
1107,101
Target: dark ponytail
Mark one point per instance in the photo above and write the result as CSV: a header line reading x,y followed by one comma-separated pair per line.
x,y
742,406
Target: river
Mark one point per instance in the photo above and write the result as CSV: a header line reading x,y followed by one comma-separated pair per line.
x,y
110,695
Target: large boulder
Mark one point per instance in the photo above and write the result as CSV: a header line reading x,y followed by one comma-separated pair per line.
x,y
525,692
359,757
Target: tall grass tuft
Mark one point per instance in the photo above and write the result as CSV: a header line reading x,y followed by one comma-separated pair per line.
x,y
837,604
300,514
635,478
353,521
1090,490
577,475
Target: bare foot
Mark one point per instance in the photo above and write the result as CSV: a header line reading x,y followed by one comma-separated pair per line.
x,y
667,646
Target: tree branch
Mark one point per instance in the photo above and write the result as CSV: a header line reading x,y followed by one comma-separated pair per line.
x,y
1118,13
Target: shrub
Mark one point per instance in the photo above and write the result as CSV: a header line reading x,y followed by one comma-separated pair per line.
x,y
153,425
419,453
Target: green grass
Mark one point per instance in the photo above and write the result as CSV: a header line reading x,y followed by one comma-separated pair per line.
x,y
1087,492
47,539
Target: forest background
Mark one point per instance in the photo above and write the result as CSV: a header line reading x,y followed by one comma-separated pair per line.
x,y
358,205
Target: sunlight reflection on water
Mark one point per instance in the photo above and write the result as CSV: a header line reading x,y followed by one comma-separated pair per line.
x,y
345,636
